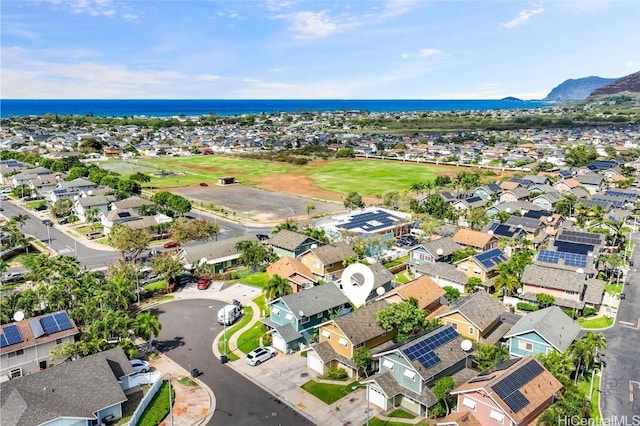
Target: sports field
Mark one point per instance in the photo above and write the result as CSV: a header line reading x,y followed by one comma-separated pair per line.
x,y
329,180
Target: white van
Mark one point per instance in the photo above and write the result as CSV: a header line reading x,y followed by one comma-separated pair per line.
x,y
229,314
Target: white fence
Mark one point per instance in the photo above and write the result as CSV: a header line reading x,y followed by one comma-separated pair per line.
x,y
144,379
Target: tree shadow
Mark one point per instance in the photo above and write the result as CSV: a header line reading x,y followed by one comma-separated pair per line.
x,y
168,345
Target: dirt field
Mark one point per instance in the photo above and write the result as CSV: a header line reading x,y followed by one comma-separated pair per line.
x,y
259,205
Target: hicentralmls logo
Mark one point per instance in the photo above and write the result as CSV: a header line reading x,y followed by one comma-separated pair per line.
x,y
604,421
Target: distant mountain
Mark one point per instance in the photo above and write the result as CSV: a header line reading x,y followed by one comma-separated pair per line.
x,y
512,99
629,83
577,89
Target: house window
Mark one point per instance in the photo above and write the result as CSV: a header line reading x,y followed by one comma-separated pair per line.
x,y
570,293
342,342
452,325
17,353
315,264
326,334
288,317
464,267
525,346
304,320
15,373
469,403
388,364
319,315
410,374
359,345
497,416
477,271
471,331
59,341
276,311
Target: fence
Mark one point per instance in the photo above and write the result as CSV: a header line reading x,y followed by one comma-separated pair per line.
x,y
143,379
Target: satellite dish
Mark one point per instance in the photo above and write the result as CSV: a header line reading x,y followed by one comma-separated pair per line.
x,y
439,252
466,345
550,219
203,261
380,291
301,313
508,210
490,232
314,246
18,316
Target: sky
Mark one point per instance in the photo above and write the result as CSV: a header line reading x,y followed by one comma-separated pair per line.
x,y
262,49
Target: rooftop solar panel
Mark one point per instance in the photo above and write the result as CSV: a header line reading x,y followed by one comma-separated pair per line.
x,y
49,324
508,387
423,350
11,335
64,323
580,237
36,328
571,259
491,258
3,341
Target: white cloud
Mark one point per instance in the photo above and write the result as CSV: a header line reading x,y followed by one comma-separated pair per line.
x,y
523,17
422,53
397,7
207,77
309,25
274,5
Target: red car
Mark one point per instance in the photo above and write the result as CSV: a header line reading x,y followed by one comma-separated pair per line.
x,y
170,244
203,284
203,184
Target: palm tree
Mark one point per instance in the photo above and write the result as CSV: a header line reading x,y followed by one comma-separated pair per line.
x,y
559,364
309,207
92,215
20,219
276,287
146,325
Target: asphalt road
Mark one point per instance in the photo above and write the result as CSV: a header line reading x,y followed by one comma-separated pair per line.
x,y
620,396
188,330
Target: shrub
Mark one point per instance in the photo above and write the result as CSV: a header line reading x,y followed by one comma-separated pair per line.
x,y
267,339
570,313
588,311
158,408
337,373
527,307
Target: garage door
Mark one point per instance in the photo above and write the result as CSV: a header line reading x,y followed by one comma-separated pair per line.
x,y
314,362
279,343
376,397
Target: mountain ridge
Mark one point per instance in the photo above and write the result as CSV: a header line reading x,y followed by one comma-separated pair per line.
x,y
577,89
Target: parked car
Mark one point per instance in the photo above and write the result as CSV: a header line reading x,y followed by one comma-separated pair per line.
x,y
204,283
262,237
260,355
139,366
170,244
64,220
203,184
47,222
11,277
40,207
94,235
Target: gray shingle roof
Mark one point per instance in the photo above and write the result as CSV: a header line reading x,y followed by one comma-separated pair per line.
x,y
553,278
480,308
551,324
96,200
447,245
288,240
590,179
391,388
361,325
314,300
73,389
442,270
331,254
213,250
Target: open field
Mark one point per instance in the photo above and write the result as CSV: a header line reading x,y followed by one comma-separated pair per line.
x,y
329,180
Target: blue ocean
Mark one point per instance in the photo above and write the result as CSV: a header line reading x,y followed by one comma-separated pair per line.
x,y
227,107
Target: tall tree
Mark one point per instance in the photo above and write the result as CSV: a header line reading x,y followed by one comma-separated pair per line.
x,y
441,389
353,200
406,317
277,286
253,254
147,325
127,240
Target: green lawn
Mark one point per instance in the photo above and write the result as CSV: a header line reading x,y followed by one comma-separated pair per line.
x,y
156,286
613,289
250,339
400,413
600,322
328,393
379,422
341,176
158,409
259,279
585,385
248,315
403,277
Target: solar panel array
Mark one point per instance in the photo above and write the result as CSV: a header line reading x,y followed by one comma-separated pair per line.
x,y
565,173
523,182
615,202
371,221
481,379
602,165
571,259
423,350
491,258
10,336
55,323
526,222
618,193
473,199
509,388
537,214
580,237
603,203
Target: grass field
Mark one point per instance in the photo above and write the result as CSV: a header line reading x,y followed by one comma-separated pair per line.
x,y
339,176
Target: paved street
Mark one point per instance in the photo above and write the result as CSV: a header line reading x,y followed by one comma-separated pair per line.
x,y
621,379
188,330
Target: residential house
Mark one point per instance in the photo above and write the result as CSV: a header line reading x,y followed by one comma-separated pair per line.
x,y
98,202
521,207
514,195
473,316
382,280
541,332
340,338
423,289
469,203
407,370
27,344
533,227
26,175
566,185
119,216
292,244
578,241
219,256
293,318
488,192
502,230
77,185
294,271
438,250
131,203
327,262
512,393
548,200
570,289
443,274
479,241
88,391
592,182
482,265
44,184
459,418
369,222
58,194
